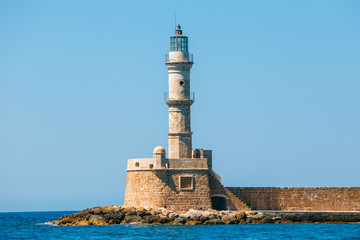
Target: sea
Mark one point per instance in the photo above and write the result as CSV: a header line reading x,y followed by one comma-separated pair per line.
x,y
32,225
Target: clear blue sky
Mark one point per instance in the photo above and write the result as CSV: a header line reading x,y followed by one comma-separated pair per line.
x,y
81,90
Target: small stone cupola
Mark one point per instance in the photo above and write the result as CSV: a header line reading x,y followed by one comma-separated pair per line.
x,y
159,155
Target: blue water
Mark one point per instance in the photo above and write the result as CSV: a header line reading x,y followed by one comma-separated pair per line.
x,y
30,225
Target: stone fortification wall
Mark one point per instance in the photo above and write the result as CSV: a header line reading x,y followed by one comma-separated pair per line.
x,y
161,188
232,201
300,198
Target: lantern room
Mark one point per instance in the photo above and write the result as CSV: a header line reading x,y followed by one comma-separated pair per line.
x,y
178,42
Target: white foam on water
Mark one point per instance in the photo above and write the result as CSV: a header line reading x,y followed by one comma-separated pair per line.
x,y
47,223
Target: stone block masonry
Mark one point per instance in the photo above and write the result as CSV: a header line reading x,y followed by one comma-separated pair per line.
x,y
162,189
300,198
218,190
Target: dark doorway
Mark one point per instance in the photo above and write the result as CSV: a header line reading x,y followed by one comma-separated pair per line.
x,y
218,203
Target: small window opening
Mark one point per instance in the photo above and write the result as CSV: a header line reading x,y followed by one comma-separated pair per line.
x,y
137,164
186,182
182,83
151,166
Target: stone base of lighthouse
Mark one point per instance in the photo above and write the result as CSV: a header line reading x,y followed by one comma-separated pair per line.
x,y
177,184
162,189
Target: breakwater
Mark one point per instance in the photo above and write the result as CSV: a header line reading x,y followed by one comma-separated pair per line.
x,y
116,214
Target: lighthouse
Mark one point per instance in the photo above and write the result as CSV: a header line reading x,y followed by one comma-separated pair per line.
x,y
183,178
179,98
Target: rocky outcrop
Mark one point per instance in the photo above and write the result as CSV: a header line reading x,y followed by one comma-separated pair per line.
x,y
117,214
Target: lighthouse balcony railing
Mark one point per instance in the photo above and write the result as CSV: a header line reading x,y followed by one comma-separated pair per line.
x,y
191,96
167,59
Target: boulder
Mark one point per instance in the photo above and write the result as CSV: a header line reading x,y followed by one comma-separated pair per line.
x,y
240,217
214,222
163,220
192,222
131,219
192,214
97,220
95,211
173,215
179,221
258,215
150,219
228,217
81,223
114,218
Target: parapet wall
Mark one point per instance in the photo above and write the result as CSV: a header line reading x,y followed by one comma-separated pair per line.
x,y
300,198
195,163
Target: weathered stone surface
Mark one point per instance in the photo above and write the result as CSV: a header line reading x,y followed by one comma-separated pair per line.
x,y
229,217
131,219
150,219
217,189
97,220
119,215
161,189
192,222
192,214
214,222
179,220
300,198
240,216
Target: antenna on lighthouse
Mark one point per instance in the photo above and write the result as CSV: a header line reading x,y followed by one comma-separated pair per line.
x,y
175,23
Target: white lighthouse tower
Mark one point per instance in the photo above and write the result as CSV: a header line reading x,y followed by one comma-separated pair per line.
x,y
179,99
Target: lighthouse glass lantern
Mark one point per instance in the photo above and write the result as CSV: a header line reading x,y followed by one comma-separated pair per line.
x,y
178,42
